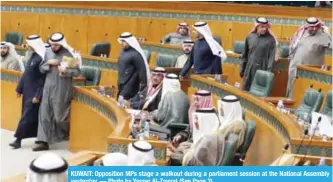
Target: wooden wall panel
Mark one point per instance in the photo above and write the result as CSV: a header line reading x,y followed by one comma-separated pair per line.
x,y
288,31
5,24
49,24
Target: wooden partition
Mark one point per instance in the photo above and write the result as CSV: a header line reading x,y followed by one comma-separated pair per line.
x,y
307,77
316,147
85,23
271,124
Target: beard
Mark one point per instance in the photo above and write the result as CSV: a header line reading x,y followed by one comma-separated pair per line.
x,y
4,54
57,51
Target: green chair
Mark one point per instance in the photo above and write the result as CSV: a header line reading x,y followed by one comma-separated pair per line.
x,y
148,54
92,75
164,60
312,101
262,83
175,128
327,110
100,48
15,38
241,153
218,39
284,51
230,148
238,47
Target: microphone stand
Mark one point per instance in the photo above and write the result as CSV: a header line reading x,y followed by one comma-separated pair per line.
x,y
306,132
285,148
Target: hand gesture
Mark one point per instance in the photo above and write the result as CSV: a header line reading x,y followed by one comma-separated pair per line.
x,y
176,140
35,100
53,62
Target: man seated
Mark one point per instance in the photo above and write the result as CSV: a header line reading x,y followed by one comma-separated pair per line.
x,y
9,57
174,103
47,167
150,97
187,47
209,149
141,153
177,38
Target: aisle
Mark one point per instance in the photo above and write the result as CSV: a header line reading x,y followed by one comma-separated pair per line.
x,y
20,159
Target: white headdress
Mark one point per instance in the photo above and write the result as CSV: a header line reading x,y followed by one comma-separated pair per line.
x,y
115,159
140,153
229,109
59,38
203,29
171,83
133,42
12,52
48,167
207,121
37,44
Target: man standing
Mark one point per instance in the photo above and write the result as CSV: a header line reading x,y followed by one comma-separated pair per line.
x,y
177,38
206,54
31,87
133,69
9,56
307,47
57,94
259,53
151,97
187,47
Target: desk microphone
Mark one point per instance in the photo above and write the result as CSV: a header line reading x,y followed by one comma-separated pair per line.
x,y
311,138
306,132
285,148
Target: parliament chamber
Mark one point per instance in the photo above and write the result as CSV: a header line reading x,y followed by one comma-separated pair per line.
x,y
98,125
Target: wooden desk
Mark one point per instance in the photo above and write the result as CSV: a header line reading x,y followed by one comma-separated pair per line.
x,y
274,100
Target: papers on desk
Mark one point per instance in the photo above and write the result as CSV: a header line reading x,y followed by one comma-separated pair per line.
x,y
207,123
325,127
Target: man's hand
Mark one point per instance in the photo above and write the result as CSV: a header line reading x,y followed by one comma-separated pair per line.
x,y
18,95
181,77
35,100
176,139
61,69
127,104
53,62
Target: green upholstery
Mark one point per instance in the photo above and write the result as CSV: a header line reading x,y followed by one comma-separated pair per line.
x,y
327,110
176,128
100,48
284,51
164,60
249,134
92,75
218,39
230,148
262,83
148,54
238,47
312,101
15,38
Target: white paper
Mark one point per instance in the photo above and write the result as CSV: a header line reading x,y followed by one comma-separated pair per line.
x,y
208,122
325,127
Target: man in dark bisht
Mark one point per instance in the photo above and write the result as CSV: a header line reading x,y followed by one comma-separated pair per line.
x,y
207,54
57,94
133,69
31,87
259,53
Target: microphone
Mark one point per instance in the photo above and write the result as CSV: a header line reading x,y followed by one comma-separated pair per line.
x,y
311,138
285,148
306,132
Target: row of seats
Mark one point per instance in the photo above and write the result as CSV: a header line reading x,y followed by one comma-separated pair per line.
x,y
239,46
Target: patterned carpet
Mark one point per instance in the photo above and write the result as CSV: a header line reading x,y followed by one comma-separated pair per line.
x,y
17,161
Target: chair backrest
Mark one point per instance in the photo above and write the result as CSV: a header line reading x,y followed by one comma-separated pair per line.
x,y
100,48
92,75
327,110
312,101
148,54
284,51
218,39
262,83
15,38
238,47
250,131
164,60
229,150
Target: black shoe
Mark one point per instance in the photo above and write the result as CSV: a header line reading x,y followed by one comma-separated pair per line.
x,y
38,142
42,146
16,144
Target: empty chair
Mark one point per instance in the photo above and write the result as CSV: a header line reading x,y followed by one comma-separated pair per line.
x,y
164,60
148,54
284,51
241,153
230,149
312,101
262,83
101,48
238,47
15,38
327,110
92,75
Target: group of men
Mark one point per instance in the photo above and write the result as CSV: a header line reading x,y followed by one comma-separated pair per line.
x,y
46,86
